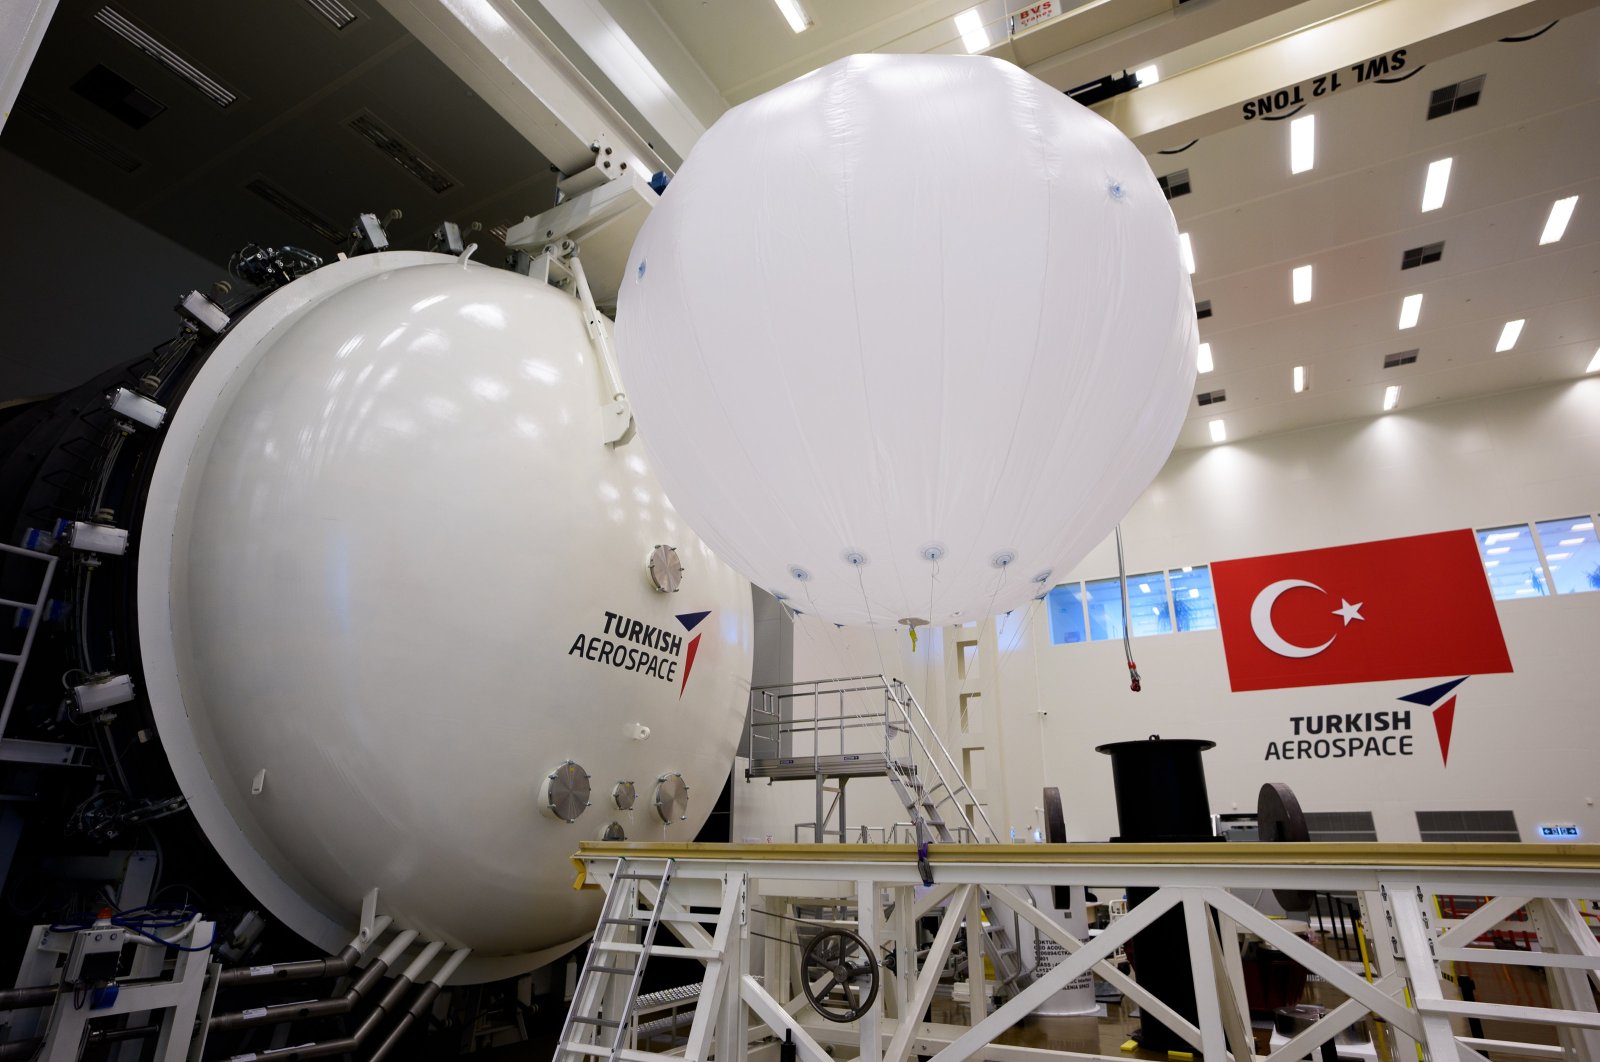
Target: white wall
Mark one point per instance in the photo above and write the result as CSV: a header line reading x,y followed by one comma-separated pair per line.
x,y
86,288
1526,741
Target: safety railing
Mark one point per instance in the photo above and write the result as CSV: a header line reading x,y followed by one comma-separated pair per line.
x,y
821,724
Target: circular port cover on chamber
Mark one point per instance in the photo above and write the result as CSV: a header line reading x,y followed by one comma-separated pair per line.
x,y
624,796
672,797
566,791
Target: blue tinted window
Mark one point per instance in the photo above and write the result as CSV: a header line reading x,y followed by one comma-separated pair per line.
x,y
1066,614
1571,553
1147,604
1511,562
1194,606
1105,609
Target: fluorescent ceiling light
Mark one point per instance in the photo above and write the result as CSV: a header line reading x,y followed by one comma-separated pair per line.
x,y
1438,182
1302,143
1187,250
1193,593
1594,362
117,23
1410,310
1508,336
1147,75
1571,542
1491,564
1502,536
1587,525
1302,284
1498,550
1557,556
1555,226
1144,588
1219,433
1391,397
794,14
970,26
1299,378
1203,358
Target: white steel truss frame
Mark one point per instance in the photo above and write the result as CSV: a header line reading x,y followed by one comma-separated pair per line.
x,y
1405,989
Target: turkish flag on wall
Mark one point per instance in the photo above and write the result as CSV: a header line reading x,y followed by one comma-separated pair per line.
x,y
1402,608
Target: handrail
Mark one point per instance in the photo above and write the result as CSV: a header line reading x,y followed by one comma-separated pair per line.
x,y
766,726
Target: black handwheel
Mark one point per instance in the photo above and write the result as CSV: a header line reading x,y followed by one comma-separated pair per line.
x,y
840,975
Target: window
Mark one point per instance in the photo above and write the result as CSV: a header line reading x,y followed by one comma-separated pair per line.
x,y
1103,597
1194,606
1147,607
1511,562
1147,604
1066,614
1572,554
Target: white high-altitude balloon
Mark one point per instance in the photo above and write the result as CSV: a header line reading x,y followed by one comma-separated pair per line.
x,y
908,307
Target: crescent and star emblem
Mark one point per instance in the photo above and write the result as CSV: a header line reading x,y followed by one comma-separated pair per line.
x,y
1267,634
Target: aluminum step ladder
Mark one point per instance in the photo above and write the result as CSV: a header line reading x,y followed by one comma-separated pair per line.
x,y
602,1022
608,983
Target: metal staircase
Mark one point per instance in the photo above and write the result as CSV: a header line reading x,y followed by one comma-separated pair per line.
x,y
871,726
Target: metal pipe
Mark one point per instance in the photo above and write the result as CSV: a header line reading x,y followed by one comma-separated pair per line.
x,y
24,998
310,969
420,1005
318,1008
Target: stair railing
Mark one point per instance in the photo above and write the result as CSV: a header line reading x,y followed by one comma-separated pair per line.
x,y
905,713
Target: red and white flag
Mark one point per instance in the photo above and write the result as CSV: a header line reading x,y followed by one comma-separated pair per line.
x,y
1402,608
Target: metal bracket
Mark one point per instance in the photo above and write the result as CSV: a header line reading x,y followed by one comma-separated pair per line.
x,y
369,917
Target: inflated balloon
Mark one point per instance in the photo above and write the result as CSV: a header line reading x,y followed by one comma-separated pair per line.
x,y
907,335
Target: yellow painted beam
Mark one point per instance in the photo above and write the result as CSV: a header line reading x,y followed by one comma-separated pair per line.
x,y
1570,857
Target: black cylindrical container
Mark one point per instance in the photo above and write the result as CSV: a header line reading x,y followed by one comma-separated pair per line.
x,y
1161,798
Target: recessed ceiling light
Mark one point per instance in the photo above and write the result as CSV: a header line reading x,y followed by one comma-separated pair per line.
x,y
1147,75
1302,284
970,25
1508,336
1502,536
794,14
1299,378
1557,556
1555,226
1202,359
1187,250
119,24
1410,310
1594,362
1571,542
1587,525
1302,143
1496,551
1391,397
1438,182
1219,432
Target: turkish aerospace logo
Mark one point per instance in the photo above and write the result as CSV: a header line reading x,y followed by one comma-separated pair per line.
x,y
633,645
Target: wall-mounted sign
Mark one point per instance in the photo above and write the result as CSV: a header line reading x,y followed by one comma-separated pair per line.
x,y
1033,14
1557,831
1288,102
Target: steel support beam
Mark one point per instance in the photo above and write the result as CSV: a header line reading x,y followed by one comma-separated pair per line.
x,y
498,51
22,26
1382,39
625,65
